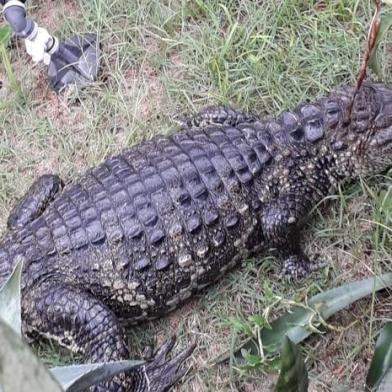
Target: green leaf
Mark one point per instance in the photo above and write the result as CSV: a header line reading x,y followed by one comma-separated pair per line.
x,y
5,35
374,59
386,382
293,374
251,360
78,378
240,325
382,358
20,369
10,300
300,321
258,320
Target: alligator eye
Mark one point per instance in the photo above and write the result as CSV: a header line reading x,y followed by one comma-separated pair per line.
x,y
333,111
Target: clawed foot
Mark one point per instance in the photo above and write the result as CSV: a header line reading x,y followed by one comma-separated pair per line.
x,y
158,374
297,267
161,373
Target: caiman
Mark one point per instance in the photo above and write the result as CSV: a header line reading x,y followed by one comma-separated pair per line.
x,y
136,236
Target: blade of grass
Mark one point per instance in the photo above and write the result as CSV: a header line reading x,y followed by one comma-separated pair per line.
x,y
382,358
5,34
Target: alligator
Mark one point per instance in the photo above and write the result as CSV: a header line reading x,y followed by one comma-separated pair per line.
x,y
136,236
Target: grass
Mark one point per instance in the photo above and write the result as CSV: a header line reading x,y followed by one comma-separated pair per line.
x,y
5,34
163,58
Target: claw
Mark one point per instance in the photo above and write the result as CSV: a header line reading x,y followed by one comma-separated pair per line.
x,y
164,350
158,374
147,353
182,356
161,374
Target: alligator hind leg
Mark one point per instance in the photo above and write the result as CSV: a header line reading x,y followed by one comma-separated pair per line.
x,y
216,115
82,323
35,201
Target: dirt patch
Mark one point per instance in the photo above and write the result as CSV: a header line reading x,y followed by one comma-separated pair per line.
x,y
48,14
145,78
344,355
56,108
152,102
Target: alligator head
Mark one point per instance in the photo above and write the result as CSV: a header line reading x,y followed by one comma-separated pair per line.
x,y
362,142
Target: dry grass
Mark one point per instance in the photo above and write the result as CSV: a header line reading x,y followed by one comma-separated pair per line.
x,y
161,58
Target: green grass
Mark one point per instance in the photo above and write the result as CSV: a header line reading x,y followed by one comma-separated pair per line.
x,y
164,58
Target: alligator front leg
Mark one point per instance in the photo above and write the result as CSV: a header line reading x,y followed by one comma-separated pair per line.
x,y
35,201
82,323
281,223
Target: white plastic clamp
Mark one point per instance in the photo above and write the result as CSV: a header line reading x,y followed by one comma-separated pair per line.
x,y
37,46
53,46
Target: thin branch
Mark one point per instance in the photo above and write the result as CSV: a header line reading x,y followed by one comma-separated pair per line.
x,y
371,40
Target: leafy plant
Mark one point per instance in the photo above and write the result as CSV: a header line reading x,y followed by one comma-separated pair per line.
x,y
304,319
10,300
293,375
382,219
382,360
386,383
374,59
20,369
